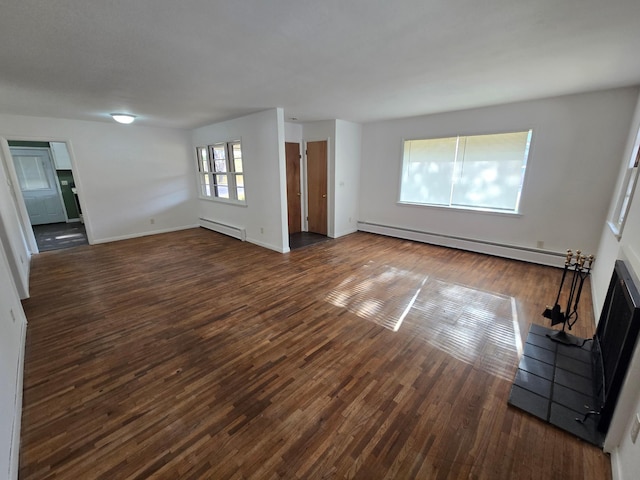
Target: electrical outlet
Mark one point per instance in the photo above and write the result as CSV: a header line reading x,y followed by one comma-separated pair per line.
x,y
13,316
635,428
152,221
261,230
540,244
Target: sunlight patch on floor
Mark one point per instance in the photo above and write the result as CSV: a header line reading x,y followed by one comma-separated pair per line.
x,y
474,326
73,235
360,294
477,327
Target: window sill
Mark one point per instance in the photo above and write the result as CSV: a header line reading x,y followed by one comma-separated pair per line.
x,y
484,211
615,230
223,201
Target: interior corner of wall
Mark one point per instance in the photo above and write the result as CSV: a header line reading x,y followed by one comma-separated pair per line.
x,y
616,470
634,258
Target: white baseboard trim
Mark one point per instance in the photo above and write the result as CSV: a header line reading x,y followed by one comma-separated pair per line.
x,y
525,254
345,232
616,471
14,455
230,230
269,246
142,234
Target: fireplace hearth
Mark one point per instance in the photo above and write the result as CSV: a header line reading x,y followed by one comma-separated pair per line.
x,y
576,388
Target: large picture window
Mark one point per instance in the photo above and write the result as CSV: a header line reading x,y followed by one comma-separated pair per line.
x,y
220,171
482,172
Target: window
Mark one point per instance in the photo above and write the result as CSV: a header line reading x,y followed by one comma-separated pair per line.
x,y
220,171
31,173
616,222
480,172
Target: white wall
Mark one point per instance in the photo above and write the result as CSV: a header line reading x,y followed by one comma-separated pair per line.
x,y
265,215
625,456
293,132
314,132
11,229
321,130
125,174
344,144
609,247
569,181
348,145
12,336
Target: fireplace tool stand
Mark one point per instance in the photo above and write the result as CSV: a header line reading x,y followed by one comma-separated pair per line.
x,y
576,269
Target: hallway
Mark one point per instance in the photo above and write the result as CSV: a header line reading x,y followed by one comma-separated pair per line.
x,y
56,236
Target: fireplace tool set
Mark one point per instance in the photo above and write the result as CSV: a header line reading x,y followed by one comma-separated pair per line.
x,y
576,270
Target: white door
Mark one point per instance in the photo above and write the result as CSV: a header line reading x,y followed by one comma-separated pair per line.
x,y
39,185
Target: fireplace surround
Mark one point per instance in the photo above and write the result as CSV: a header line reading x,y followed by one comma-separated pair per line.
x,y
615,340
576,387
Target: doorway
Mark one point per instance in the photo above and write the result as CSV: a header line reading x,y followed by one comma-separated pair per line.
x,y
303,234
294,194
47,186
317,187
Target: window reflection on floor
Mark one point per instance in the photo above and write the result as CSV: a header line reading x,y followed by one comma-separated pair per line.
x,y
360,293
476,327
56,236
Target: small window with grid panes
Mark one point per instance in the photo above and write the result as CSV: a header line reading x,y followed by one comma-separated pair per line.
x,y
220,171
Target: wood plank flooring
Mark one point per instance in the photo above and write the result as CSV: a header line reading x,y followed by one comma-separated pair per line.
x,y
191,355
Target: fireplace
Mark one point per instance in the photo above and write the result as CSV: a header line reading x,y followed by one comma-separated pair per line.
x,y
615,340
575,385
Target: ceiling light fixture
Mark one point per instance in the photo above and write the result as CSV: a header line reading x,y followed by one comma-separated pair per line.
x,y
125,118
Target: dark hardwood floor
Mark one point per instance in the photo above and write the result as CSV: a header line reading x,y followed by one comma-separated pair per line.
x,y
191,355
304,239
56,236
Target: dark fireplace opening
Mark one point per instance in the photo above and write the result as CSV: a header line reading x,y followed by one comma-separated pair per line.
x,y
615,340
575,385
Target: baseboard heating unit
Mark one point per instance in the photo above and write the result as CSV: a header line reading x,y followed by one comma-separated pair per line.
x,y
526,254
232,231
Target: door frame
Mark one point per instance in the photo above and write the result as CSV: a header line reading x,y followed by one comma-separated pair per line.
x,y
21,208
301,187
330,181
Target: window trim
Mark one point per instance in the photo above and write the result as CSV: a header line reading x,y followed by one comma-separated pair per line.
x,y
484,211
619,214
517,212
211,173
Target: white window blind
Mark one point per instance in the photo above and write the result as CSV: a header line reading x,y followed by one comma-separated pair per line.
x,y
482,172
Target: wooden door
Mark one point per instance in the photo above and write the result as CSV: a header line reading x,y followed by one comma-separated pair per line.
x,y
294,203
317,186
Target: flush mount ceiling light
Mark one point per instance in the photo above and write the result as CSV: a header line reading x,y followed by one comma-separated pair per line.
x,y
125,118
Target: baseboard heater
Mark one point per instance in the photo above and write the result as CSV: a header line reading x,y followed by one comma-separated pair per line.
x,y
230,230
533,255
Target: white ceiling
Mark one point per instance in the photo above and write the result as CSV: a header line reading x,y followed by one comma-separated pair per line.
x,y
186,63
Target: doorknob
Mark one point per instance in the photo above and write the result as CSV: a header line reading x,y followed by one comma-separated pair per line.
x,y
324,196
298,193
